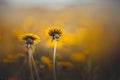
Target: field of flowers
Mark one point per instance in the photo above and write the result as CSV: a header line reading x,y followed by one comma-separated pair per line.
x,y
78,42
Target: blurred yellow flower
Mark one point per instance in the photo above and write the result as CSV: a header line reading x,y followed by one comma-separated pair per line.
x,y
10,59
79,36
45,60
20,55
29,38
77,57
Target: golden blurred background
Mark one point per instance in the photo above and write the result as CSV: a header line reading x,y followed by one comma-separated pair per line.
x,y
90,30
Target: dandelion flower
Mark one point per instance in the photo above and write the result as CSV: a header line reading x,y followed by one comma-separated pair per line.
x,y
55,32
30,39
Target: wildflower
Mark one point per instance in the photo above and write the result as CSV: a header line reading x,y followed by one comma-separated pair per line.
x,y
55,33
30,39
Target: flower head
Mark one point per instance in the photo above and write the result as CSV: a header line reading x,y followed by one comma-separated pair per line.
x,y
30,39
55,33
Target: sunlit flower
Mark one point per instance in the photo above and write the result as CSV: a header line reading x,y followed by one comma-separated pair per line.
x,y
55,32
30,39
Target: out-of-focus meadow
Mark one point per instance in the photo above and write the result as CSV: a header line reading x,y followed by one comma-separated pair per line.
x,y
91,36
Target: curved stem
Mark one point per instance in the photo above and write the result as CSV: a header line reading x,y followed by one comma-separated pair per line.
x,y
54,61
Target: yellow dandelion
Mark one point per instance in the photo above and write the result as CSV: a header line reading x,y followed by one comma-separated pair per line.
x,y
30,38
55,32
